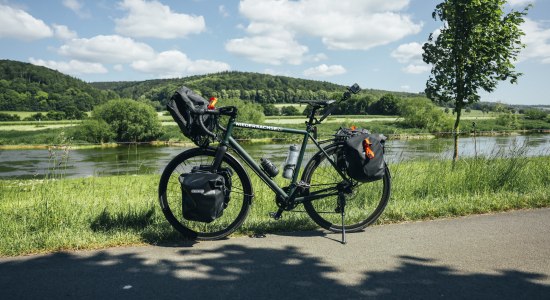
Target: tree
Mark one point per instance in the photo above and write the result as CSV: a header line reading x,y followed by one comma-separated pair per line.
x,y
129,120
474,50
270,109
387,105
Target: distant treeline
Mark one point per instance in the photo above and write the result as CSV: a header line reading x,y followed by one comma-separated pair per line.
x,y
254,87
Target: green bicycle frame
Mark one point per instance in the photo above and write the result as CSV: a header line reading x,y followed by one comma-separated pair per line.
x,y
232,143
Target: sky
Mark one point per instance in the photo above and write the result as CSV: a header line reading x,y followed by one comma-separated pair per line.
x,y
376,43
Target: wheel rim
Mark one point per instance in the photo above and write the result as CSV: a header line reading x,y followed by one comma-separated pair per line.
x,y
363,206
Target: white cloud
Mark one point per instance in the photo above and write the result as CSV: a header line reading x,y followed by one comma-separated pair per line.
x,y
223,11
537,41
118,67
341,24
272,47
416,69
63,32
107,49
408,52
325,71
174,63
153,19
411,54
77,7
73,67
18,24
522,3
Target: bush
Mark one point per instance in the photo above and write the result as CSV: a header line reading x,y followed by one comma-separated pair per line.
x,y
8,117
289,111
387,105
270,110
129,121
94,131
248,112
423,114
535,114
508,119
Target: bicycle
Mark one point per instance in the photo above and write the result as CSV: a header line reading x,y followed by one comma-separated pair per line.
x,y
331,198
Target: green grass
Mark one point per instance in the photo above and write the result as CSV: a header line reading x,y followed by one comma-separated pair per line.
x,y
67,214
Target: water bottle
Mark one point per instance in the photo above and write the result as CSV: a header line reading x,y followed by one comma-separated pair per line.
x,y
291,161
269,168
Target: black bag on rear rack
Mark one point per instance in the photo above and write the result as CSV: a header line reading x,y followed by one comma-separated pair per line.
x,y
362,155
186,108
205,194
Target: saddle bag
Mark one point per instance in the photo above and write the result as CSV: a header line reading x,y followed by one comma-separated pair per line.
x,y
362,156
205,195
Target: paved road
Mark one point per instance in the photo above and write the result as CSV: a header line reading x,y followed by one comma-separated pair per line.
x,y
502,256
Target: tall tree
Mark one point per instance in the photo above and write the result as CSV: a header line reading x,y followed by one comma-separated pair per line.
x,y
475,49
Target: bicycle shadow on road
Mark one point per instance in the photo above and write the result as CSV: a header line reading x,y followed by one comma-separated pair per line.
x,y
240,272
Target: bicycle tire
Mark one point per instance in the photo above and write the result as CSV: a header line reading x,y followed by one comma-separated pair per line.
x,y
170,195
364,206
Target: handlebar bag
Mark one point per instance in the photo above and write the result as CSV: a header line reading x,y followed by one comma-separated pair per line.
x,y
363,157
186,108
204,195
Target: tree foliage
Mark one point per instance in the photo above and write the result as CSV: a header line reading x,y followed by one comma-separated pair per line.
x,y
129,121
475,49
423,114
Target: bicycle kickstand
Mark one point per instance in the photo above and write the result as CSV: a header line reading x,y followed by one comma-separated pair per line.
x,y
342,205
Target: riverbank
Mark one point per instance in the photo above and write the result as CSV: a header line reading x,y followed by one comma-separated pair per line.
x,y
96,212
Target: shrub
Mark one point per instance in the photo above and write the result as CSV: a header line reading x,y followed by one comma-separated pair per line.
x,y
289,111
94,131
423,114
535,114
508,119
8,117
129,121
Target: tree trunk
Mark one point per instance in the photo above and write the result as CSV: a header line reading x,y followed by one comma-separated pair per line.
x,y
456,133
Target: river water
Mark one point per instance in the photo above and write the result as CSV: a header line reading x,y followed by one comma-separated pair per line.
x,y
123,160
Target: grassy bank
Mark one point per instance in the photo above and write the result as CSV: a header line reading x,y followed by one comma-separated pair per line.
x,y
52,215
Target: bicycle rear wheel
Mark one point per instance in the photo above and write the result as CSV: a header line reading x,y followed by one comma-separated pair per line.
x,y
170,195
363,206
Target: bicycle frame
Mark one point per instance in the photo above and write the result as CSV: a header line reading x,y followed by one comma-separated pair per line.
x,y
228,140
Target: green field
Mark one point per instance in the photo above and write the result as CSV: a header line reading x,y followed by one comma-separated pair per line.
x,y
68,214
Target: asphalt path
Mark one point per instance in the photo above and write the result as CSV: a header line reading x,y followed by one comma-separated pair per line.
x,y
500,256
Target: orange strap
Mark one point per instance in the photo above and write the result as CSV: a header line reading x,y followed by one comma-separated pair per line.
x,y
368,151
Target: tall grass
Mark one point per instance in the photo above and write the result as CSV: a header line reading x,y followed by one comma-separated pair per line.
x,y
57,214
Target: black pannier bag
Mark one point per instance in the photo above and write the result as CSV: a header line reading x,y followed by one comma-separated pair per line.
x,y
362,156
186,108
205,194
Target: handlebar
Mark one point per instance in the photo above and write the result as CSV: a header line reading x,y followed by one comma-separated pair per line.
x,y
352,89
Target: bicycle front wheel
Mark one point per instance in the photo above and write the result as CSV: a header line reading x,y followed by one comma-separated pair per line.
x,y
170,195
363,206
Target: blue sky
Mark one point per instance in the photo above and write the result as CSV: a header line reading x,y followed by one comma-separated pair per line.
x,y
375,43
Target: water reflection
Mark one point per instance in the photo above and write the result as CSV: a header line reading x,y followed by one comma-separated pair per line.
x,y
149,159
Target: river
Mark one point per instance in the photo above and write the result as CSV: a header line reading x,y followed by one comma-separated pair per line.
x,y
123,160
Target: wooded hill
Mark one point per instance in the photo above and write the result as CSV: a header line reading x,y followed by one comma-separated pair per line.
x,y
260,88
27,87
